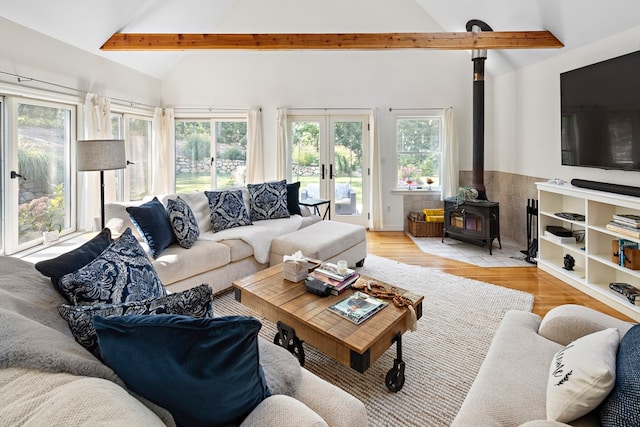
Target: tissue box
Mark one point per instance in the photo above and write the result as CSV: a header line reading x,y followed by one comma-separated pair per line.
x,y
295,271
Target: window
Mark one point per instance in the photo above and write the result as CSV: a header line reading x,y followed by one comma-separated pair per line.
x,y
40,188
138,146
132,183
419,150
197,139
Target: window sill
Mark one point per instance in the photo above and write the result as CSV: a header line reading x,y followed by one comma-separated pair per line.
x,y
406,191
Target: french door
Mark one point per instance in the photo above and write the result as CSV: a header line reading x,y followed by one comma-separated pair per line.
x,y
38,171
329,156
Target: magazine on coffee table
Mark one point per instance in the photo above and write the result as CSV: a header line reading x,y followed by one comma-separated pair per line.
x,y
358,307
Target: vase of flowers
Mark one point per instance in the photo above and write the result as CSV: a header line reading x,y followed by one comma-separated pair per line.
x,y
429,182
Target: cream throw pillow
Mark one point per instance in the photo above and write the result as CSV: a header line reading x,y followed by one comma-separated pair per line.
x,y
582,375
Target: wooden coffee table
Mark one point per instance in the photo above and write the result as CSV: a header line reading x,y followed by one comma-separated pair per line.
x,y
303,317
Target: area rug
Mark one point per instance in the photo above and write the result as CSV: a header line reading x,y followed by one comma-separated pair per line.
x,y
508,256
460,317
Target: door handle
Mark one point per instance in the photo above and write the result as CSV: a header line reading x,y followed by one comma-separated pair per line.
x,y
15,175
331,171
322,171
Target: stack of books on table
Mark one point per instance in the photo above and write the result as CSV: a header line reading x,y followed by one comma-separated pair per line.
x,y
328,273
631,292
627,224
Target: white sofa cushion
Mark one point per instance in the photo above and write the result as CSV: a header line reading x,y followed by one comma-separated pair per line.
x,y
176,263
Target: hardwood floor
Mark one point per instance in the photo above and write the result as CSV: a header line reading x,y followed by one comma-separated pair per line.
x,y
549,292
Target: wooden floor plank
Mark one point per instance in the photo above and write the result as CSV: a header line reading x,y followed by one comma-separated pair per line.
x,y
549,292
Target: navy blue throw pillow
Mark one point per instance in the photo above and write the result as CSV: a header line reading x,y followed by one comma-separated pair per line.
x,y
73,260
205,371
293,198
622,405
152,220
121,273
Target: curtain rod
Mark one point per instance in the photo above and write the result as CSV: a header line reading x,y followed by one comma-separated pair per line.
x,y
24,79
327,108
209,109
419,109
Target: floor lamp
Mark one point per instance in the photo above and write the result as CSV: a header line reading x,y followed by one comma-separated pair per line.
x,y
100,155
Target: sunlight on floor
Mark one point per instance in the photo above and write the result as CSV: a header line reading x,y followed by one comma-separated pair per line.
x,y
508,256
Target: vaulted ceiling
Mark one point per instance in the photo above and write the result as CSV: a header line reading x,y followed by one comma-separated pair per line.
x,y
87,24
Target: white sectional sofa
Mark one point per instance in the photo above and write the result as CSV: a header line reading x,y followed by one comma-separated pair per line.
x,y
48,379
216,258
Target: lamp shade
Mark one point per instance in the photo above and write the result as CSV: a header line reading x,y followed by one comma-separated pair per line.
x,y
100,155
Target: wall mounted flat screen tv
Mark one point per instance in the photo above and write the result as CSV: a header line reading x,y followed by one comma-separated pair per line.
x,y
601,114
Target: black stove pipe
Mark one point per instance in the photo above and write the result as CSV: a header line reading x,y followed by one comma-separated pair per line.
x,y
479,56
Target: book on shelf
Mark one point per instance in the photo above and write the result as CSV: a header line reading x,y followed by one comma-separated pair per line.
x,y
358,307
337,286
627,219
623,229
330,269
629,291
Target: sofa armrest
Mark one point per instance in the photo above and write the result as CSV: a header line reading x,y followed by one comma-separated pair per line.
x,y
337,407
566,323
282,411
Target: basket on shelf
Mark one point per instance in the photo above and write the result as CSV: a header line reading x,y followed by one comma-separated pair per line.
x,y
428,223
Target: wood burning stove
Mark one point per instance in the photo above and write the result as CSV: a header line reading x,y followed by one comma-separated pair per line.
x,y
473,221
478,220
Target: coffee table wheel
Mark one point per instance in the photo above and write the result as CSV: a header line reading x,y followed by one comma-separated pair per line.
x,y
395,377
287,339
293,345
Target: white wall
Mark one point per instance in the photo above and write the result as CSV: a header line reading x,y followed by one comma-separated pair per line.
x,y
31,54
331,79
527,114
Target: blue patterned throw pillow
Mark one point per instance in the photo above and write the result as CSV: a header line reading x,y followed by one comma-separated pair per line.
x,y
152,220
268,200
622,405
121,273
195,302
222,381
227,209
183,222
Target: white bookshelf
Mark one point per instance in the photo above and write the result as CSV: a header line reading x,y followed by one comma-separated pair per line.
x,y
594,268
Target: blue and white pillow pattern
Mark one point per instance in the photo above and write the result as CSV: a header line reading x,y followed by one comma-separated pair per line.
x,y
195,302
268,200
121,273
227,209
183,222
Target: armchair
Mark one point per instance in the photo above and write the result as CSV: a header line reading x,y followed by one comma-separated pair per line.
x,y
344,198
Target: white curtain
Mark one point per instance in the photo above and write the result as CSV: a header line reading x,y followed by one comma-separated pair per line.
x,y
97,125
450,168
375,221
281,149
163,155
255,158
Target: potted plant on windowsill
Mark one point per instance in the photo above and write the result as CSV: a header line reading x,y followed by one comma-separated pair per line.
x,y
52,233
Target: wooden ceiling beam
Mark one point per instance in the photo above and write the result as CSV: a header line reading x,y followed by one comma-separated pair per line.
x,y
359,41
